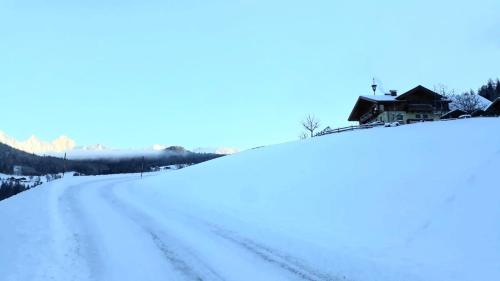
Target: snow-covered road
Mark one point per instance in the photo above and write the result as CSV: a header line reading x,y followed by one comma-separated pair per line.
x,y
106,236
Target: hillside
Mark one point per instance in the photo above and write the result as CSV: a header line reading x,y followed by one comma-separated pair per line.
x,y
415,202
110,163
10,156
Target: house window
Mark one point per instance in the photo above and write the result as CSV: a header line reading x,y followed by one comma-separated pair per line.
x,y
426,116
417,116
399,117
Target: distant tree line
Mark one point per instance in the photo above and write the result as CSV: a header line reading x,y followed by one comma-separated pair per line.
x,y
11,188
9,157
137,164
491,90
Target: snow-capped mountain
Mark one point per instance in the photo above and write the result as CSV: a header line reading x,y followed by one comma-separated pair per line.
x,y
64,144
35,145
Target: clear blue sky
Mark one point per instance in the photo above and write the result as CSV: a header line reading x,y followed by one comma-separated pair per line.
x,y
225,73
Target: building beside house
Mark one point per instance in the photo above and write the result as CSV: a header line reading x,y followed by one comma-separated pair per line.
x,y
453,114
478,113
493,109
416,105
19,170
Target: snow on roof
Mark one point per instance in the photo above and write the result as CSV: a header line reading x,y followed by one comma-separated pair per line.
x,y
484,101
380,97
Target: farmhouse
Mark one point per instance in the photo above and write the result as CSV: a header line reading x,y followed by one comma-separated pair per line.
x,y
416,105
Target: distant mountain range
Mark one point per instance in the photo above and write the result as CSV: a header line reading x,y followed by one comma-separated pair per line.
x,y
64,144
35,145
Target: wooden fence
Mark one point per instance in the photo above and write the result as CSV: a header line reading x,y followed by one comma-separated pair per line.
x,y
328,131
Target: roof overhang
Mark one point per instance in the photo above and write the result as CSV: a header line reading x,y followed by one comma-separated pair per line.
x,y
364,103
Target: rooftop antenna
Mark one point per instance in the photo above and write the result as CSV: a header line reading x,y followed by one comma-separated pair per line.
x,y
374,86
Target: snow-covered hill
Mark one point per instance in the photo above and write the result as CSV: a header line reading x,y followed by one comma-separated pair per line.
x,y
415,202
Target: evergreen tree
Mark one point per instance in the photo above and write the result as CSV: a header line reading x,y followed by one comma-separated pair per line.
x,y
490,91
497,90
491,87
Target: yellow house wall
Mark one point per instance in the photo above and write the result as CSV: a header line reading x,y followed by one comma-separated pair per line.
x,y
392,116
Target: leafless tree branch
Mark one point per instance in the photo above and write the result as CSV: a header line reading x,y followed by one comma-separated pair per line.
x,y
311,123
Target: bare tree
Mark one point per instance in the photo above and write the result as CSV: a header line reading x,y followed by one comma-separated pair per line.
x,y
443,90
467,102
311,123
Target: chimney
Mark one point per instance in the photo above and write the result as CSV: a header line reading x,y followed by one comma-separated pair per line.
x,y
393,93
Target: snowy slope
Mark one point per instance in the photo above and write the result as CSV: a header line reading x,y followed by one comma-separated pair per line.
x,y
416,202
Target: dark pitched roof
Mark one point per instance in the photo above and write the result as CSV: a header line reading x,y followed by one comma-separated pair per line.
x,y
453,114
355,113
367,101
494,106
419,90
477,112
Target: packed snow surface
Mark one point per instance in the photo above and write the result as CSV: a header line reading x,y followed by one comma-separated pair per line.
x,y
415,202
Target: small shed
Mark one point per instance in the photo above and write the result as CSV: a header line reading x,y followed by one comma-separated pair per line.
x,y
478,113
453,114
19,170
494,108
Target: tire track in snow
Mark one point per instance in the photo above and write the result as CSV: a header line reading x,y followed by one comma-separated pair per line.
x,y
174,259
75,246
285,262
70,258
178,256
